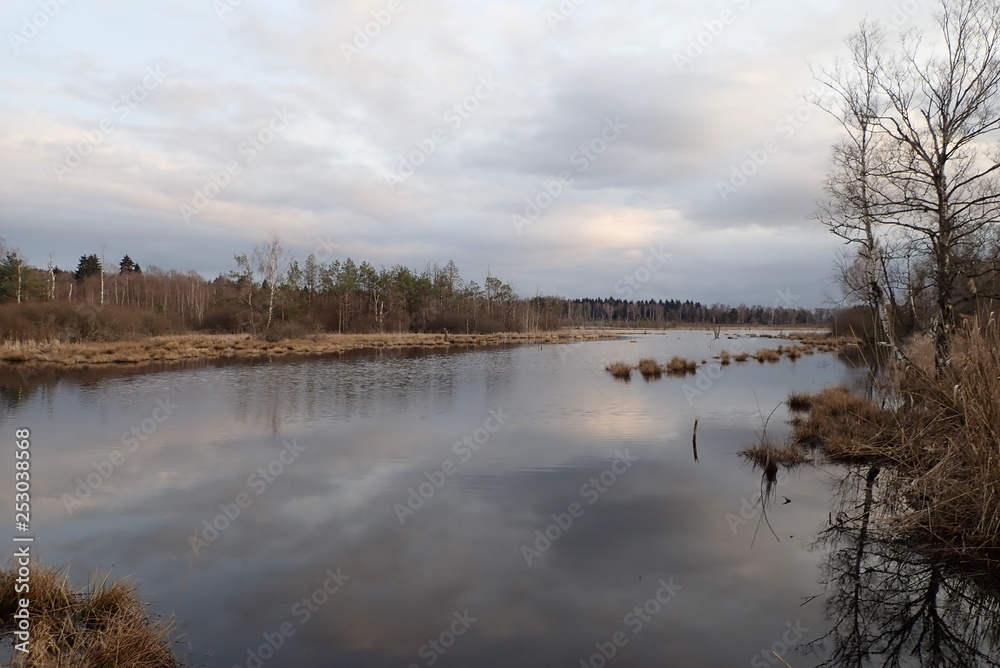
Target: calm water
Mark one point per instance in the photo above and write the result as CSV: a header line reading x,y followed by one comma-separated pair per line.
x,y
383,510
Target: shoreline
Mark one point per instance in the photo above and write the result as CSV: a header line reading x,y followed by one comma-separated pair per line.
x,y
207,347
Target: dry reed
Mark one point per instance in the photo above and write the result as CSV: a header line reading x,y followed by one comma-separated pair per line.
x,y
106,625
213,346
938,436
620,370
650,369
679,366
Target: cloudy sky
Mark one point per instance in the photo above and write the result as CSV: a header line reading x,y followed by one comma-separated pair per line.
x,y
561,146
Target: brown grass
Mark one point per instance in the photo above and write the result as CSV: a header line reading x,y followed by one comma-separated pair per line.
x,y
799,402
938,438
741,357
823,343
768,456
949,446
213,346
767,355
104,626
650,368
725,358
620,370
848,428
679,366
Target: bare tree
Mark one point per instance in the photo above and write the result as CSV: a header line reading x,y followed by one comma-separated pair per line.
x,y
918,120
855,210
270,260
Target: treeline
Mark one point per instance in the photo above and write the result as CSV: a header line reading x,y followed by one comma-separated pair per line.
x,y
672,312
270,294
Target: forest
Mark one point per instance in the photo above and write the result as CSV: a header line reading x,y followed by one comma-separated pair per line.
x,y
272,294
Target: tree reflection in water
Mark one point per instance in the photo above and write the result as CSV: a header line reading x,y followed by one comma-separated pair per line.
x,y
891,603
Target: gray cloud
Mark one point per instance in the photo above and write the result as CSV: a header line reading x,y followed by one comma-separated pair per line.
x,y
357,123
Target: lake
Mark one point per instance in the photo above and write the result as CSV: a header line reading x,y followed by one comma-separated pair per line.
x,y
499,507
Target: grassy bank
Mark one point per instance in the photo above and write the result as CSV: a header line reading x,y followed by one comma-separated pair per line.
x,y
103,626
935,435
182,347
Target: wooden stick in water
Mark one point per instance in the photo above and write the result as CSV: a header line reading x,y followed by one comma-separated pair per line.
x,y
694,440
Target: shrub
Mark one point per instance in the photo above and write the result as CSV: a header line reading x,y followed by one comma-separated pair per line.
x,y
650,368
620,370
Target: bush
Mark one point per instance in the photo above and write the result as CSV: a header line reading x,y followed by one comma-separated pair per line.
x,y
281,330
620,370
66,322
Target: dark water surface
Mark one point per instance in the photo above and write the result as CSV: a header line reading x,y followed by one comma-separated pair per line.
x,y
648,556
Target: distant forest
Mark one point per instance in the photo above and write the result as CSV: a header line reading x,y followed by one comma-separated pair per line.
x,y
271,294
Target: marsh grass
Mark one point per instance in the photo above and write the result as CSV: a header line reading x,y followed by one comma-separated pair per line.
x,y
949,445
849,428
214,346
768,456
767,355
103,626
620,370
935,433
680,366
799,402
650,368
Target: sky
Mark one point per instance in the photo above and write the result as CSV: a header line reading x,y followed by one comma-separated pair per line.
x,y
633,149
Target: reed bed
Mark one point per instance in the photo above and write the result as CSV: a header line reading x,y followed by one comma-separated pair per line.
x,y
936,433
214,346
824,343
106,625
849,428
949,446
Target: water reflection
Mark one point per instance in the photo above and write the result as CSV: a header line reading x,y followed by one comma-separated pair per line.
x,y
892,604
375,427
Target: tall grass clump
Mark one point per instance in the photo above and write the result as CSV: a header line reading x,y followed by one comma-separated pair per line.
x,y
650,368
767,456
849,428
767,355
620,370
104,626
680,366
